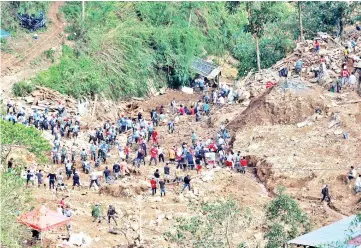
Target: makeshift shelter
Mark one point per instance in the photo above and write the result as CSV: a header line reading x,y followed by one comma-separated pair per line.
x,y
343,233
43,219
206,69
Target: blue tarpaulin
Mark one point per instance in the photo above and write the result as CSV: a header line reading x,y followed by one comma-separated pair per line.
x,y
4,34
339,234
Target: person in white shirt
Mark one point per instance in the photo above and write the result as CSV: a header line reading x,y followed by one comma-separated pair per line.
x,y
230,159
351,174
160,154
93,179
221,100
352,81
358,183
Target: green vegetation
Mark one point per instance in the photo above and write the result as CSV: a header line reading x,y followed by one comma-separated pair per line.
x,y
23,88
212,225
10,9
14,200
123,47
20,135
50,55
286,220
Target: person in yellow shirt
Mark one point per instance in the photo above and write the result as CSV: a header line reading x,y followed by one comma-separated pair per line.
x,y
345,52
171,155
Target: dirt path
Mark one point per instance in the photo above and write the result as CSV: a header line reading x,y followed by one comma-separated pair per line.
x,y
12,63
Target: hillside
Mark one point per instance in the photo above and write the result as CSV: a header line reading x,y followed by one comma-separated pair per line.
x,y
296,136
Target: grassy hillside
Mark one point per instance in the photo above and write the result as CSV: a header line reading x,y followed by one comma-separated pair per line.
x,y
121,46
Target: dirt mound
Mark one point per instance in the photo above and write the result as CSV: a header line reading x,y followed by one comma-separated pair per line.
x,y
277,107
124,190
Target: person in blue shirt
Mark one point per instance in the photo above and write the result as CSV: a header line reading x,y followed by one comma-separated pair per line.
x,y
206,108
194,138
93,150
190,160
298,68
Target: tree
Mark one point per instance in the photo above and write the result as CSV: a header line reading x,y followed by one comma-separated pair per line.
x,y
286,220
299,5
212,225
259,13
18,135
14,200
328,17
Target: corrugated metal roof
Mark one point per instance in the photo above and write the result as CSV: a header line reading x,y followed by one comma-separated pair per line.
x,y
336,233
205,68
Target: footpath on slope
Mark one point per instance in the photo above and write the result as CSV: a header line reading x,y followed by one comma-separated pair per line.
x,y
16,66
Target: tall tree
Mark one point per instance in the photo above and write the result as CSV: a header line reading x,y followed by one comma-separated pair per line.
x,y
328,16
259,13
299,5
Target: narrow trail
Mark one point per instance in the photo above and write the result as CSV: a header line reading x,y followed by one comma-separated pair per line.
x,y
12,64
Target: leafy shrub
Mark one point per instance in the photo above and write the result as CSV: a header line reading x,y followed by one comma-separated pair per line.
x,y
29,137
23,89
50,54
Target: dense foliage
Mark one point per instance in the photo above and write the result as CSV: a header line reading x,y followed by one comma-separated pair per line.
x,y
286,220
123,48
22,88
20,135
14,200
10,9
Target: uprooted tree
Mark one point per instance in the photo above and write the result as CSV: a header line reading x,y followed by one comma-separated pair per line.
x,y
212,225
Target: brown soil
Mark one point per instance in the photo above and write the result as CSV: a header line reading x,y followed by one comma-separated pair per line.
x,y
34,48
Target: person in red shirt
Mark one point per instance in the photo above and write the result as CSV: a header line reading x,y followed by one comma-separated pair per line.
x,y
181,110
317,46
192,110
212,146
153,155
62,202
244,164
344,74
153,184
154,136
127,151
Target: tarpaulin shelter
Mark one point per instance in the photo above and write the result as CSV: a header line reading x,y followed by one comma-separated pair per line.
x,y
43,219
206,69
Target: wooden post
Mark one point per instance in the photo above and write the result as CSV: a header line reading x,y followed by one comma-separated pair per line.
x,y
257,52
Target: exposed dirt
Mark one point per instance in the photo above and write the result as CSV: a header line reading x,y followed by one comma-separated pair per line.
x,y
19,65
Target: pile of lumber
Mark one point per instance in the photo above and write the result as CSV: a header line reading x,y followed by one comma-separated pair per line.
x,y
44,98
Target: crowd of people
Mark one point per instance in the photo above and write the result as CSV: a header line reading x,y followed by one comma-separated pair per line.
x,y
346,79
142,140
